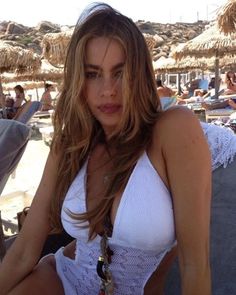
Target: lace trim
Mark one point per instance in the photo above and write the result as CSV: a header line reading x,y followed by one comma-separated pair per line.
x,y
131,268
222,144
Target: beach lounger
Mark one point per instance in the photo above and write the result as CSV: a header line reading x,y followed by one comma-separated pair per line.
x,y
218,114
42,114
27,111
14,137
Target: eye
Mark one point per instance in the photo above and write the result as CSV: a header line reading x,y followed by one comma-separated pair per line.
x,y
118,74
92,75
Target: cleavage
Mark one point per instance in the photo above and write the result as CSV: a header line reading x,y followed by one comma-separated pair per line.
x,y
97,176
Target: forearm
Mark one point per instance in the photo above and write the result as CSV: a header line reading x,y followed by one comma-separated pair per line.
x,y
13,269
196,282
19,261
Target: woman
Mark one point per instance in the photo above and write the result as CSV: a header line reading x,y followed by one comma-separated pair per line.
x,y
20,96
120,176
230,80
163,91
13,105
46,99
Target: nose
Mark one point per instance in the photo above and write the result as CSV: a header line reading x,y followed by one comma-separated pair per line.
x,y
109,87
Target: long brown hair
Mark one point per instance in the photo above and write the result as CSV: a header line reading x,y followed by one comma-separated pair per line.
x,y
75,127
230,80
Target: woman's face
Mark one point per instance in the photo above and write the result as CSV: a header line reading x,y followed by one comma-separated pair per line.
x,y
104,64
231,74
17,92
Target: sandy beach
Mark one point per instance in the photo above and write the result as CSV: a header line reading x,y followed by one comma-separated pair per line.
x,y
22,184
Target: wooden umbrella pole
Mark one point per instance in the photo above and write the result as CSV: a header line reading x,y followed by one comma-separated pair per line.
x,y
1,90
179,84
217,80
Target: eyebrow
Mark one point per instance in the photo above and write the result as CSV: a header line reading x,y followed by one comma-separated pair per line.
x,y
96,67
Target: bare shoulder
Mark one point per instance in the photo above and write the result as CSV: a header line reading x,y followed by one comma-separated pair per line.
x,y
177,123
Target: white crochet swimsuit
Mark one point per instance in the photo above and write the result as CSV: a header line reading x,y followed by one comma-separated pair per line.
x,y
143,232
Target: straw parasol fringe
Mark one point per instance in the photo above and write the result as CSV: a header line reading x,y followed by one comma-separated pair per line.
x,y
55,46
150,41
15,58
207,43
46,72
226,17
27,85
170,65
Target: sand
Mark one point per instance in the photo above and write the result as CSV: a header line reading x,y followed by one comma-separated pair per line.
x,y
22,184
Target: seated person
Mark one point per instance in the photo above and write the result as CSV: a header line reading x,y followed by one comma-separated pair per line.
x,y
12,105
199,96
9,102
46,99
228,103
20,96
162,90
230,80
212,83
166,95
190,87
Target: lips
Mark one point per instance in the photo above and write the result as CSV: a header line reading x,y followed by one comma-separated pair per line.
x,y
109,108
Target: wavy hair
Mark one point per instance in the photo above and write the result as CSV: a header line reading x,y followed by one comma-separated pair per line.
x,y
77,131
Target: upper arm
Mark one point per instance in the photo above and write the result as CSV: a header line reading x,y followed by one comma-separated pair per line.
x,y
188,168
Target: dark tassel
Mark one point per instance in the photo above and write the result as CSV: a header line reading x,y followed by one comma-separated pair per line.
x,y
100,264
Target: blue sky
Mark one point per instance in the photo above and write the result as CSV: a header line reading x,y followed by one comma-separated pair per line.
x,y
30,13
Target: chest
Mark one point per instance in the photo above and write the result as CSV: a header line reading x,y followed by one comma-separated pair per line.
x,y
142,215
98,174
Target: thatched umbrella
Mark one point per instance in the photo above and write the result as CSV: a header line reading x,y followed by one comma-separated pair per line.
x,y
55,46
211,43
171,65
27,85
15,58
184,65
226,17
45,72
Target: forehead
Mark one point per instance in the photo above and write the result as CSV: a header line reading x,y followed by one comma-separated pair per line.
x,y
102,49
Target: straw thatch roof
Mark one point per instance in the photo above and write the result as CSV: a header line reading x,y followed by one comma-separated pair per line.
x,y
210,43
27,85
15,58
55,46
226,17
170,65
150,40
46,72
